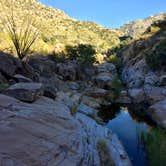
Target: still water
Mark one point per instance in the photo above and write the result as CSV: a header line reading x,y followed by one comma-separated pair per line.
x,y
129,129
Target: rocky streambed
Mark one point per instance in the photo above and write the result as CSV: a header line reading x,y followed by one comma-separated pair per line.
x,y
49,114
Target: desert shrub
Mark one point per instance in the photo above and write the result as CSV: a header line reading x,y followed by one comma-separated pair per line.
x,y
155,144
114,59
3,86
116,87
72,51
22,33
156,59
86,54
104,153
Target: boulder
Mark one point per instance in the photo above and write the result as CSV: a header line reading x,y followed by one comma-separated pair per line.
x,y
124,98
96,92
158,113
91,102
84,109
154,94
67,71
27,92
21,78
133,75
106,67
104,80
42,64
137,95
45,133
163,80
2,79
151,79
9,64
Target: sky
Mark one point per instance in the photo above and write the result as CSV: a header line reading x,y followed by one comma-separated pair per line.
x,y
109,13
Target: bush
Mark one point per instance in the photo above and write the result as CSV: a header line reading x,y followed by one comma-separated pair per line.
x,y
3,86
157,59
22,36
116,87
114,59
86,54
155,144
104,153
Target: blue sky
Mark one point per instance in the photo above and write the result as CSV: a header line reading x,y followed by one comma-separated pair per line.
x,y
110,13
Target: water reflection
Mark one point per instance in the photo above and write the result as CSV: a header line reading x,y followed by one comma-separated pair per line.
x,y
129,128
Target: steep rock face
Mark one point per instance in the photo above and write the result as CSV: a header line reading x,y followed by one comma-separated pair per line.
x,y
45,133
158,113
136,28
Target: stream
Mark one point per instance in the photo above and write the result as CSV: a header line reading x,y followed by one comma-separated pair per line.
x,y
128,127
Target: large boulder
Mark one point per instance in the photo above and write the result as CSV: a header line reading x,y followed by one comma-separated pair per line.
x,y
133,75
154,94
27,92
158,113
21,78
2,79
124,98
163,80
137,95
106,67
96,92
67,70
104,80
42,64
9,64
45,133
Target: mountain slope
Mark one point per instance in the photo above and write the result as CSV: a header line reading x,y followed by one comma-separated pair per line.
x,y
56,27
136,28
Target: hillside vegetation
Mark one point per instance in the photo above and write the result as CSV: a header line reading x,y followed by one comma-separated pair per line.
x,y
56,27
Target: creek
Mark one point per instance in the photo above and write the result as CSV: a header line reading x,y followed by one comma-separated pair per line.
x,y
128,126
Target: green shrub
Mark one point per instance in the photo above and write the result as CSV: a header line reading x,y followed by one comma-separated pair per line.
x,y
155,144
86,54
3,86
114,59
116,87
104,153
156,59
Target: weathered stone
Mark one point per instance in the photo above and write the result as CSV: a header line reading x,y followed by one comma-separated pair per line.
x,y
154,94
45,133
158,113
9,64
2,79
133,75
151,79
96,92
21,78
42,64
106,68
124,98
91,102
67,71
104,80
137,95
27,92
84,109
163,80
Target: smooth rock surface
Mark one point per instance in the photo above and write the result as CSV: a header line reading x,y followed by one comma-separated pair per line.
x,y
158,113
45,134
27,92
